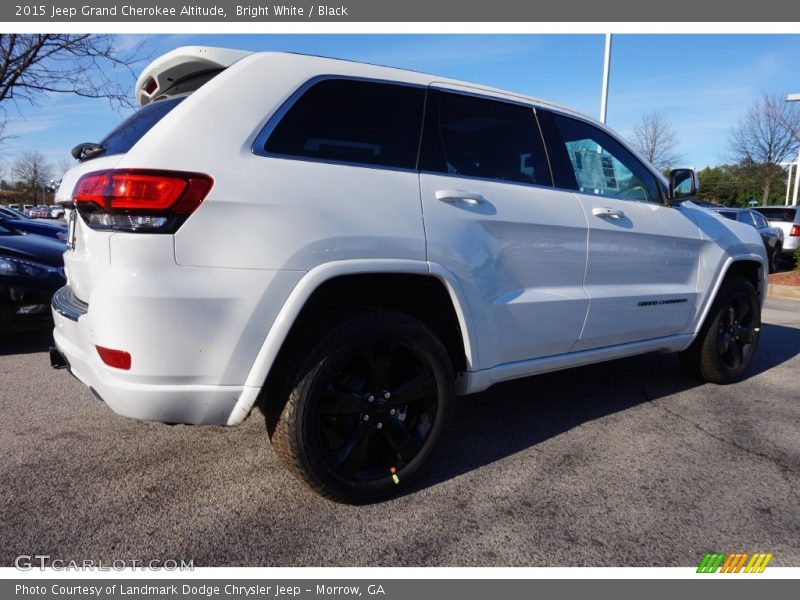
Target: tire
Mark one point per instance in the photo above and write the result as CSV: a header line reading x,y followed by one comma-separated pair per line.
x,y
727,342
775,258
355,444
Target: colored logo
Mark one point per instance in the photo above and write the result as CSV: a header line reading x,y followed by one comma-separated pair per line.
x,y
734,563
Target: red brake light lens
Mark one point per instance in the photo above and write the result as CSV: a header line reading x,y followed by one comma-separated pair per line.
x,y
139,199
795,230
151,86
119,359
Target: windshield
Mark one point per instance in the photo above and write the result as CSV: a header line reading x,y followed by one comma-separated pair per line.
x,y
7,211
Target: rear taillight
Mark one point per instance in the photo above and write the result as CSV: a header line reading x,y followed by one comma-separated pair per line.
x,y
795,230
139,199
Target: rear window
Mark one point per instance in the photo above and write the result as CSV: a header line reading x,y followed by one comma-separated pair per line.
x,y
728,214
132,129
779,213
361,122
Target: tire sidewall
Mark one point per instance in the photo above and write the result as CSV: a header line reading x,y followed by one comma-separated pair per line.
x,y
712,366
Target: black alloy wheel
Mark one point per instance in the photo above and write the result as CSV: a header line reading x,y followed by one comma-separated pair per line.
x,y
376,411
727,341
367,407
737,332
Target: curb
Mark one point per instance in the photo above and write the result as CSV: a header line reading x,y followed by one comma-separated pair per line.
x,y
783,292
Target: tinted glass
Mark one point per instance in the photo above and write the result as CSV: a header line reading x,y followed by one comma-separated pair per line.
x,y
350,121
728,214
779,214
476,137
602,166
132,129
761,222
746,218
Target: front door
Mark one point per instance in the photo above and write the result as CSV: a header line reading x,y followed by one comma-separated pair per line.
x,y
641,275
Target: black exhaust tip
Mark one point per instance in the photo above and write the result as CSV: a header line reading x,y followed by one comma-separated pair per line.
x,y
58,360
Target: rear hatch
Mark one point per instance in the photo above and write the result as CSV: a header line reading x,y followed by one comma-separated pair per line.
x,y
162,86
782,217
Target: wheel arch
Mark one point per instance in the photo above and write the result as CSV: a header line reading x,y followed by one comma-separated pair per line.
x,y
352,277
749,266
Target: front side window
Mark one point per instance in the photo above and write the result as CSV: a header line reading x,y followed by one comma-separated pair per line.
x,y
467,136
602,166
761,222
362,122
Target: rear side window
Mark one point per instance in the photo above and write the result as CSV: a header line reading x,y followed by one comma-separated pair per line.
x,y
361,122
468,136
132,129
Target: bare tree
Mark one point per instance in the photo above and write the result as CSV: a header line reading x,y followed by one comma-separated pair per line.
x,y
656,139
64,164
32,65
766,137
33,171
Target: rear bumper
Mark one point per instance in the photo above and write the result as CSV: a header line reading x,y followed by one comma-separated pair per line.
x,y
193,404
790,244
68,305
193,335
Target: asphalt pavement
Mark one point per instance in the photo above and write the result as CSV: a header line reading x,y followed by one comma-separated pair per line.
x,y
626,463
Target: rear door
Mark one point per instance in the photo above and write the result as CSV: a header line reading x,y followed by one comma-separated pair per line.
x,y
641,275
493,219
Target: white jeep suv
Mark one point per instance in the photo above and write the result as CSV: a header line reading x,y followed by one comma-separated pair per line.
x,y
348,246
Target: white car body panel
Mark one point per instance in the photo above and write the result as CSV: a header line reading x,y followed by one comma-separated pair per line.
x,y
637,264
520,256
537,282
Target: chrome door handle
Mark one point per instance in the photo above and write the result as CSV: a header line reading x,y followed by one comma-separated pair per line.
x,y
608,213
451,196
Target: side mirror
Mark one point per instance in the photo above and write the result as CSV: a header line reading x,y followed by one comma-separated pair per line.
x,y
683,185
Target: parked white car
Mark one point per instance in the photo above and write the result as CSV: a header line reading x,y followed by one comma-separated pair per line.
x,y
348,246
787,219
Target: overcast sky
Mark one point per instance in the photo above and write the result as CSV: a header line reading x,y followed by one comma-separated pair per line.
x,y
702,83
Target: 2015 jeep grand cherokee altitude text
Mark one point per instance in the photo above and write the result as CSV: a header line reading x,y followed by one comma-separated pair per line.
x,y
348,246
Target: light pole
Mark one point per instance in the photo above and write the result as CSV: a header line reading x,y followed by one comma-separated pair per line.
x,y
793,98
606,76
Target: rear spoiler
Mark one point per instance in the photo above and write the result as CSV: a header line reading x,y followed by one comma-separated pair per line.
x,y
180,63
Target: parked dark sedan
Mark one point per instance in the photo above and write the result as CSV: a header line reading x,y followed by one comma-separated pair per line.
x,y
31,270
53,229
772,236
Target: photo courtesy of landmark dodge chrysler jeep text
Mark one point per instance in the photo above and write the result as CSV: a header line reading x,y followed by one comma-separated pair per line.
x,y
348,246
